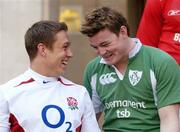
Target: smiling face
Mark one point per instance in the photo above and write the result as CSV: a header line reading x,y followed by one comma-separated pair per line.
x,y
56,59
113,48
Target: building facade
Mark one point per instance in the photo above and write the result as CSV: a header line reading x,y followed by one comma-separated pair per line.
x,y
16,16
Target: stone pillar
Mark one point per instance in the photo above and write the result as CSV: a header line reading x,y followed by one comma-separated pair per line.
x,y
16,16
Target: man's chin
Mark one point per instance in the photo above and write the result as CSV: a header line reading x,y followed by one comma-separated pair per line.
x,y
62,70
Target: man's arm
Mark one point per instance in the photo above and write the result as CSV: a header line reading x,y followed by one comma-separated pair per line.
x,y
98,115
89,122
168,89
149,30
4,114
169,118
90,84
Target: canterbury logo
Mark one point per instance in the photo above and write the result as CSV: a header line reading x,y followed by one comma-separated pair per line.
x,y
107,78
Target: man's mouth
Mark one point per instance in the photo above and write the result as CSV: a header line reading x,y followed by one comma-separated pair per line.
x,y
65,62
107,55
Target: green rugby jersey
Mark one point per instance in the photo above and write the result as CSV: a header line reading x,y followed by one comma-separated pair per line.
x,y
131,101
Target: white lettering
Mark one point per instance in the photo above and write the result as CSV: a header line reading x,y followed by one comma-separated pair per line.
x,y
177,37
107,78
124,103
123,114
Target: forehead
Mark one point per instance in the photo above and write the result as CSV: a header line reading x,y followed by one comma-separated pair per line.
x,y
60,39
102,36
61,35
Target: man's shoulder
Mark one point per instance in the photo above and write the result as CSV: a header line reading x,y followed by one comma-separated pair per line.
x,y
68,83
158,58
14,82
95,61
94,64
156,53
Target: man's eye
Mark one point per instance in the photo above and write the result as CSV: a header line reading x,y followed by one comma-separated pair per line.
x,y
94,47
105,44
65,47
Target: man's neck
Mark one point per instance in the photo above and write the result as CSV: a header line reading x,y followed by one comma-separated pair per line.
x,y
122,66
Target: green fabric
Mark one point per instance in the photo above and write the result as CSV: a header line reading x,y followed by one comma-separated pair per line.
x,y
131,108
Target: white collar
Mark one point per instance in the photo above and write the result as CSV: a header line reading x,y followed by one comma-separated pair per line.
x,y
40,78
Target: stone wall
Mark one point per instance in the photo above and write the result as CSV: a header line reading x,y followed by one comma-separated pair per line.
x,y
15,18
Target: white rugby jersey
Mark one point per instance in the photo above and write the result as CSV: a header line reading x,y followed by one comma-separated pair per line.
x,y
35,103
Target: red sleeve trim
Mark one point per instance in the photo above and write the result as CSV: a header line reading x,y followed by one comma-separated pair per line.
x,y
25,82
15,126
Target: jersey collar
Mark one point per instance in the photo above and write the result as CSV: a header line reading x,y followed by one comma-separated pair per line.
x,y
40,78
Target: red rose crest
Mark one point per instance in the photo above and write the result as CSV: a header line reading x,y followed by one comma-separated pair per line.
x,y
72,103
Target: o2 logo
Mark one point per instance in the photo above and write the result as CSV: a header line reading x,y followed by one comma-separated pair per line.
x,y
61,120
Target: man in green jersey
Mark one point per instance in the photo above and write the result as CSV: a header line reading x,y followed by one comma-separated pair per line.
x,y
136,86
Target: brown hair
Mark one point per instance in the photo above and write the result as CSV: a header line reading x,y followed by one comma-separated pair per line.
x,y
103,18
42,32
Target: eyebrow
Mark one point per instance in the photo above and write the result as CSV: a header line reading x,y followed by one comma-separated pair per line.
x,y
104,42
101,44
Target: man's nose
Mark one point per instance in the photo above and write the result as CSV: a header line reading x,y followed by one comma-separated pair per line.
x,y
69,53
101,50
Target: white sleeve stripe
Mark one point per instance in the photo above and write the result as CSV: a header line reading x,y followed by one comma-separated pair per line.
x,y
95,98
153,83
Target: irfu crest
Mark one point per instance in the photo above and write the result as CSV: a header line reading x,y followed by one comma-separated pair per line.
x,y
134,76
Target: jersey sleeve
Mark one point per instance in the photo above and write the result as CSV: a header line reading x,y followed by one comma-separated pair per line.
x,y
87,81
4,114
89,122
150,26
90,80
168,83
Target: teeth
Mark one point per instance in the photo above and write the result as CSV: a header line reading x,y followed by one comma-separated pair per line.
x,y
65,62
107,55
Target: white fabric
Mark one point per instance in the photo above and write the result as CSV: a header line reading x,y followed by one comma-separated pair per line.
x,y
28,101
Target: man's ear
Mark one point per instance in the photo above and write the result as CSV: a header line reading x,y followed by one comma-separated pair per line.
x,y
123,31
41,49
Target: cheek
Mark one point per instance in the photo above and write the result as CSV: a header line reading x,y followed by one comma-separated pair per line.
x,y
61,55
112,49
116,50
58,52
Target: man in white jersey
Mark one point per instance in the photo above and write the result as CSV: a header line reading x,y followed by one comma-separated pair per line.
x,y
136,86
40,100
